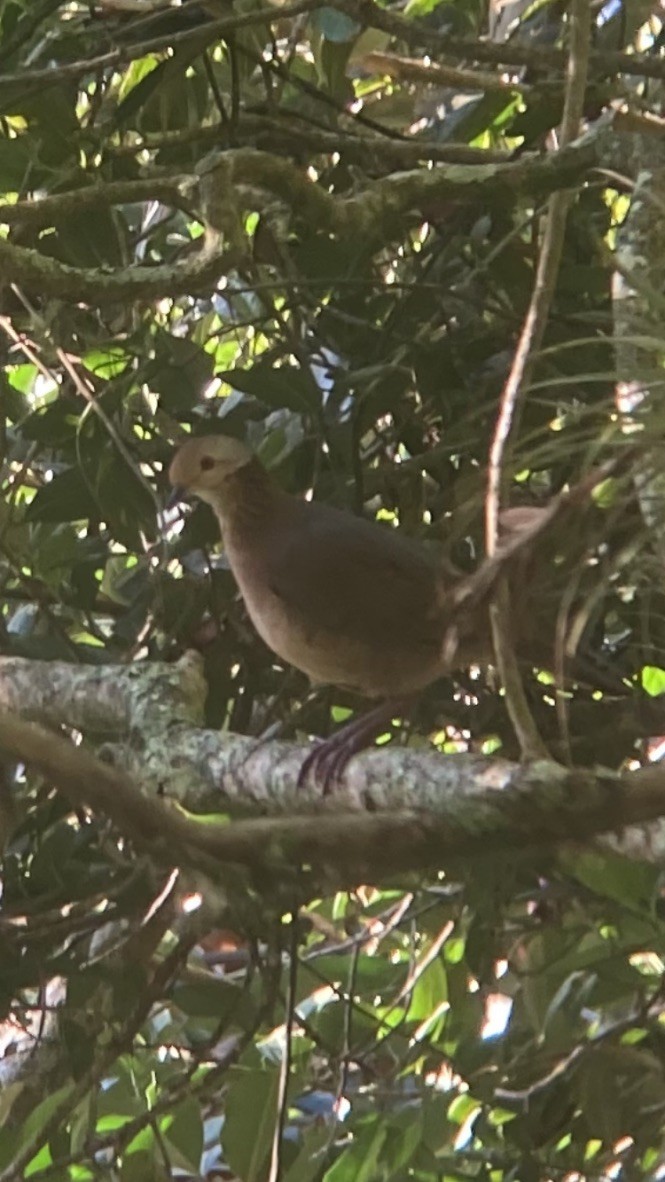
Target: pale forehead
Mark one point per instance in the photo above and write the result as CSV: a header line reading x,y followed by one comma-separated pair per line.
x,y
221,447
186,467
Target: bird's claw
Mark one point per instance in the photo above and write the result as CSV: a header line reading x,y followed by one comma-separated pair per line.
x,y
325,764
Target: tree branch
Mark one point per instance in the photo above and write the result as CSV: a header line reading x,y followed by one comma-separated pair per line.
x,y
470,807
414,32
105,700
372,216
45,211
52,74
280,133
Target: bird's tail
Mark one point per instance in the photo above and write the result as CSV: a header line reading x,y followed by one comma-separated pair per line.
x,y
521,529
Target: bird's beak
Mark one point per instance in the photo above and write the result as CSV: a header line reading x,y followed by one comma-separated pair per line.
x,y
177,496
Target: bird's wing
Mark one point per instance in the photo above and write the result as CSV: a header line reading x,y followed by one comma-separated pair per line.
x,y
366,582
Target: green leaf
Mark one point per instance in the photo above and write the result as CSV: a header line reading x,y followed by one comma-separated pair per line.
x,y
145,1164
307,1165
211,998
16,156
79,1048
251,1113
653,680
53,552
183,1130
403,1141
360,1163
283,386
39,1117
68,497
632,884
180,371
429,993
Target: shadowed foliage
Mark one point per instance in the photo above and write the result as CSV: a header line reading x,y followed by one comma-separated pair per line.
x,y
316,228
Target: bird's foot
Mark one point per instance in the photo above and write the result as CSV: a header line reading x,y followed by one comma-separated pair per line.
x,y
327,762
330,757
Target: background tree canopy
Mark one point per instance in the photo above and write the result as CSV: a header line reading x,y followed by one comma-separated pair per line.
x,y
358,237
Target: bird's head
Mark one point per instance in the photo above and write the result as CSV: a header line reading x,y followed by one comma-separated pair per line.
x,y
201,466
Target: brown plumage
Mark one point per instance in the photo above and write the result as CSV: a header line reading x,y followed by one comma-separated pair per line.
x,y
348,601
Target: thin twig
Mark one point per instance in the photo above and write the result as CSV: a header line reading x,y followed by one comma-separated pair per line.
x,y
408,69
74,1091
514,392
517,53
119,57
290,125
285,1066
89,396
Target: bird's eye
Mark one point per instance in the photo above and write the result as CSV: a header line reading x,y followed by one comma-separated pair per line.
x,y
207,463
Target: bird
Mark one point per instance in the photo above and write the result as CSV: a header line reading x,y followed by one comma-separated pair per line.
x,y
350,602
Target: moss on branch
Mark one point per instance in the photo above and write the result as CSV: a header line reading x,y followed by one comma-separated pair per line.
x,y
372,216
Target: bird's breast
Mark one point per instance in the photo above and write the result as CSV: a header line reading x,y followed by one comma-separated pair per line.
x,y
325,655
282,629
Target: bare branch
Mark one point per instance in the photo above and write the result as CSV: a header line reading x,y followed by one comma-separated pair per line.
x,y
408,69
413,32
280,133
28,80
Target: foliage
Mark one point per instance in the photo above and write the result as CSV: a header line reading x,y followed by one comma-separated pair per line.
x,y
501,1024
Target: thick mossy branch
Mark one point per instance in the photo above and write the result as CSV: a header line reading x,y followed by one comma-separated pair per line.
x,y
111,701
36,272
371,217
46,211
487,807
